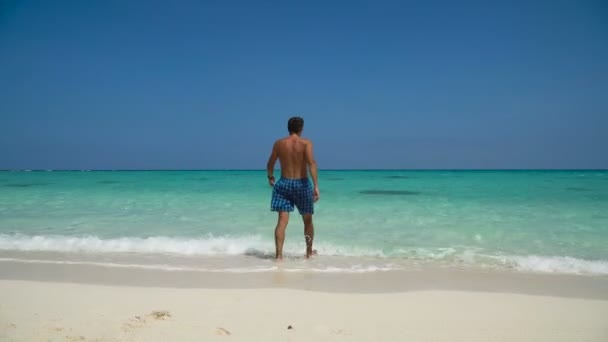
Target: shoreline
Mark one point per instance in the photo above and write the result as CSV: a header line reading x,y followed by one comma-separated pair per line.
x,y
394,281
52,302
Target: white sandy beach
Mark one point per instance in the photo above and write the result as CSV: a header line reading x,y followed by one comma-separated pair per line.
x,y
34,310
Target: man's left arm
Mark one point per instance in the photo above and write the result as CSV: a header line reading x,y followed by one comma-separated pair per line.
x,y
270,165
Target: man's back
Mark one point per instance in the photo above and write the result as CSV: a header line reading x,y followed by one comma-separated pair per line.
x,y
293,189
292,152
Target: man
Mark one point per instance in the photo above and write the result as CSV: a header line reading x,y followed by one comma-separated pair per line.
x,y
293,188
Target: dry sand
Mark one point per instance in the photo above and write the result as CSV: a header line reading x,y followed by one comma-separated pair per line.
x,y
68,308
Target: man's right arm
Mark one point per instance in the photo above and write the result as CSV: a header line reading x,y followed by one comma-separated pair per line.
x,y
312,165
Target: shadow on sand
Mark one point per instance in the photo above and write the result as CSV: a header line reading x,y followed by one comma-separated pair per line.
x,y
252,252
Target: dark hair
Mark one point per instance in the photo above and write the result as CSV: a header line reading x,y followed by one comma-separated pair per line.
x,y
295,125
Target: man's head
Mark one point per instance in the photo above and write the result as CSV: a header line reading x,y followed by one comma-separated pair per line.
x,y
295,125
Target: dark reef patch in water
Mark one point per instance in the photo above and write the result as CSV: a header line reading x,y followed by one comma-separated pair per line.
x,y
389,192
24,185
398,177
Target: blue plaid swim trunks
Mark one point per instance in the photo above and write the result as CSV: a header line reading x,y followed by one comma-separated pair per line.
x,y
288,192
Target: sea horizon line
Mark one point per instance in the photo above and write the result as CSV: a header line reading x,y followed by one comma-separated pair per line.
x,y
327,169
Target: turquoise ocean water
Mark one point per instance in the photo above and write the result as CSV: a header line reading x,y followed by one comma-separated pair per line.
x,y
544,221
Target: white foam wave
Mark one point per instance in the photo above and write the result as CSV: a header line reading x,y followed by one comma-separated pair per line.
x,y
256,245
181,246
209,245
557,264
528,263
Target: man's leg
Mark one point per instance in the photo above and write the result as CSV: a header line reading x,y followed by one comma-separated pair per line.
x,y
279,233
309,234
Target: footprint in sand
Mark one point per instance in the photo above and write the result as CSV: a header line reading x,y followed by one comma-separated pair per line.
x,y
8,325
139,321
221,331
54,327
341,332
133,323
160,315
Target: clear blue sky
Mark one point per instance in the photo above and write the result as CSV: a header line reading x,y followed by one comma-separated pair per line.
x,y
211,84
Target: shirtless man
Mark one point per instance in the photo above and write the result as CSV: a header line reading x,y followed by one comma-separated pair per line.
x,y
293,188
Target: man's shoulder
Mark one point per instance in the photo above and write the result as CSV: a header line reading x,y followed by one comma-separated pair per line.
x,y
307,141
285,139
280,140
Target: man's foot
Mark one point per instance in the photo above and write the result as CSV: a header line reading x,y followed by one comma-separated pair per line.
x,y
311,254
